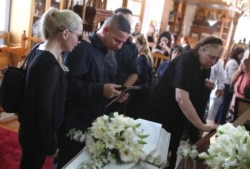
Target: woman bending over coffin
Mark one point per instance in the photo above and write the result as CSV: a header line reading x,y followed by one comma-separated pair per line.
x,y
181,95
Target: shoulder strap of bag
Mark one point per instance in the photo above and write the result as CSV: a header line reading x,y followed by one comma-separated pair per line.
x,y
31,52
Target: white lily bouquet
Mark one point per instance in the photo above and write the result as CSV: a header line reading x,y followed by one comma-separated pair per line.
x,y
112,138
229,151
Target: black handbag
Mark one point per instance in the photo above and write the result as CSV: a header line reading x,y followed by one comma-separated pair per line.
x,y
12,89
13,86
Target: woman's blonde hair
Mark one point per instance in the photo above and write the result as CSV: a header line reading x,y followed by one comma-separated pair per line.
x,y
145,48
55,20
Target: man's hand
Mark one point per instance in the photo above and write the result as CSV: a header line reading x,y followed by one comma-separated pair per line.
x,y
123,98
219,93
110,90
209,84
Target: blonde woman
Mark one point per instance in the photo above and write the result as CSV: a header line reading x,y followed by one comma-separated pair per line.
x,y
151,36
145,77
43,106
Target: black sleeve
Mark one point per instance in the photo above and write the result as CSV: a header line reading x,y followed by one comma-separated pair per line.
x,y
79,75
130,58
182,75
47,99
143,66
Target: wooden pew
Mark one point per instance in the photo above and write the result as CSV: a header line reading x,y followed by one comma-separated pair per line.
x,y
158,59
18,53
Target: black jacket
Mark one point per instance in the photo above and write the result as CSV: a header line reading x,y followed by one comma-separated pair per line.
x,y
43,105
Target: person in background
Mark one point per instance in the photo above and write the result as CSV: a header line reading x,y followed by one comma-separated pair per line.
x,y
181,95
89,87
144,80
241,79
137,31
42,111
231,67
151,37
163,44
122,65
175,38
185,43
175,52
216,96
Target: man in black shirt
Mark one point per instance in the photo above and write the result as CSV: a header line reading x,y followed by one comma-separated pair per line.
x,y
123,65
88,84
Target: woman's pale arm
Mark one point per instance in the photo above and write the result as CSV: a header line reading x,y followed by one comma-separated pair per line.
x,y
182,98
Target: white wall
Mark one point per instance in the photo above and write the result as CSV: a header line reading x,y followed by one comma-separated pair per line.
x,y
20,13
242,30
4,15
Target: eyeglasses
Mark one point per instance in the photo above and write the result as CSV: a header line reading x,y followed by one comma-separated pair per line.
x,y
78,36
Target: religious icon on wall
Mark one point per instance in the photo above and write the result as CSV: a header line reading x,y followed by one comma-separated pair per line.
x,y
203,15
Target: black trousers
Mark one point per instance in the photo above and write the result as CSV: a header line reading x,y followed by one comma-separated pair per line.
x,y
67,150
33,156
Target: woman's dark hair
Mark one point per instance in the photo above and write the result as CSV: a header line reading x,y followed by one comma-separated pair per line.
x,y
175,35
246,61
164,34
123,10
117,22
179,48
209,40
235,52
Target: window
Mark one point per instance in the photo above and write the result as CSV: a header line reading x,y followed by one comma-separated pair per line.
x,y
4,16
113,4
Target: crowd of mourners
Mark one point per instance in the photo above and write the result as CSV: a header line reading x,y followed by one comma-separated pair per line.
x,y
71,79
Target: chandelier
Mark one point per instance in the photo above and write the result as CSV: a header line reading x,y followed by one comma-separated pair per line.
x,y
242,6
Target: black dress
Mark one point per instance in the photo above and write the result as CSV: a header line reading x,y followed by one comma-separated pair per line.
x,y
137,97
185,73
150,39
43,109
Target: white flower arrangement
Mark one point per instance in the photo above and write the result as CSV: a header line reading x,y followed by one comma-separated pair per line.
x,y
229,151
115,137
188,151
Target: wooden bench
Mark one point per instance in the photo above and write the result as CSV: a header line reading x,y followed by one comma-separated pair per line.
x,y
158,58
18,53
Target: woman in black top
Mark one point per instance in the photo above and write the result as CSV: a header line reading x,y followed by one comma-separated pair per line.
x,y
181,94
145,78
163,44
43,105
151,36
